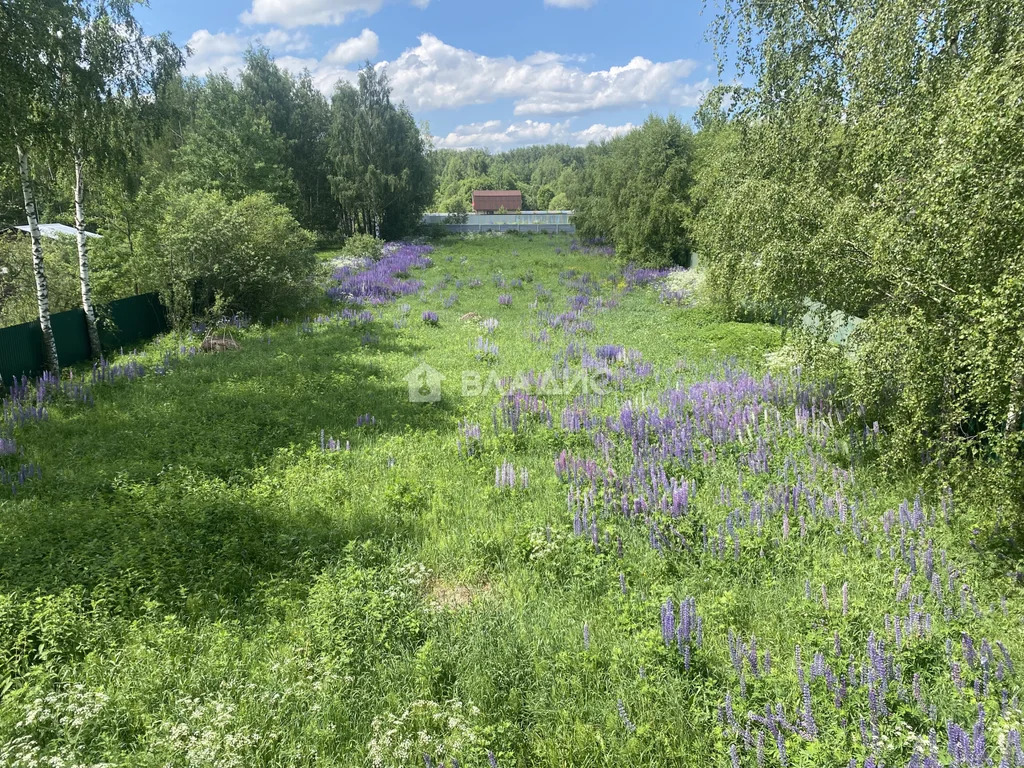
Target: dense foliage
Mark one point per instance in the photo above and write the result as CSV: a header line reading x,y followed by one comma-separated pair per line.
x,y
872,162
635,192
246,256
380,174
158,142
544,174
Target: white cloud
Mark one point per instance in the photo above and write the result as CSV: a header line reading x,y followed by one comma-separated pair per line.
x,y
435,75
493,134
220,52
599,132
354,49
569,3
301,13
324,76
283,40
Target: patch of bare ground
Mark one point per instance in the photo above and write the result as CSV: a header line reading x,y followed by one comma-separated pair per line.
x,y
447,596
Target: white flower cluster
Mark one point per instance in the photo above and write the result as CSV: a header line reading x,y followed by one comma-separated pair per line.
x,y
543,545
415,574
441,730
206,735
57,720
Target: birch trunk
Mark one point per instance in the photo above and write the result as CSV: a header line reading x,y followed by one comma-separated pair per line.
x,y
1016,395
83,258
42,293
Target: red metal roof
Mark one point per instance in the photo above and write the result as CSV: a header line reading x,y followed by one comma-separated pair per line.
x,y
493,199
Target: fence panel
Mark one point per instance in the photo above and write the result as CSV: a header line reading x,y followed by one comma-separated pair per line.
x,y
526,221
122,322
132,319
71,336
21,351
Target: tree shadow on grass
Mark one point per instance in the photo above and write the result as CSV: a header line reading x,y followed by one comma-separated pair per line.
x,y
159,492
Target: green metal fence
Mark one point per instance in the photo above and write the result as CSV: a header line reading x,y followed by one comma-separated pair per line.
x,y
122,322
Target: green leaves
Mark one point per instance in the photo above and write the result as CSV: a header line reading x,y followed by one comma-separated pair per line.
x,y
636,192
251,252
381,178
874,164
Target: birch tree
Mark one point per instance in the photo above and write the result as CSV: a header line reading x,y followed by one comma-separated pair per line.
x,y
873,161
36,37
381,169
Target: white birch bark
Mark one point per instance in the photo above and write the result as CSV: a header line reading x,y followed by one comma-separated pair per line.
x,y
83,258
42,293
1016,393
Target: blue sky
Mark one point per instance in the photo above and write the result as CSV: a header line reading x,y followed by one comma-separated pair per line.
x,y
487,74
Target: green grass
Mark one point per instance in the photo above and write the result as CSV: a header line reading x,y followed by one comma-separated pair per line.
x,y
193,582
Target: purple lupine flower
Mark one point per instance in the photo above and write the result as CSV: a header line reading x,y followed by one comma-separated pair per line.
x,y
366,420
486,349
817,665
624,716
810,727
1006,656
668,622
505,300
780,743
954,673
430,317
491,759
968,645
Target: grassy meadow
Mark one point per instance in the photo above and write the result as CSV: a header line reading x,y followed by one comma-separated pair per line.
x,y
198,578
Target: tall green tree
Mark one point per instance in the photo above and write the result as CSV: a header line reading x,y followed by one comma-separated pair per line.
x,y
636,192
226,144
382,178
300,115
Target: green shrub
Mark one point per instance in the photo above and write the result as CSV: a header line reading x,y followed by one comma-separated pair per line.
x,y
252,254
362,247
636,194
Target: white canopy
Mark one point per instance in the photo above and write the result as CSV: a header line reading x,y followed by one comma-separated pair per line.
x,y
53,231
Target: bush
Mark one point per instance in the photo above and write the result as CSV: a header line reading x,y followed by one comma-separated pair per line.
x,y
251,254
363,247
